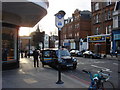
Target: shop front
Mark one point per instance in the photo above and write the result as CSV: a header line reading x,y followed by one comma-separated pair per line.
x,y
10,57
99,44
116,41
15,15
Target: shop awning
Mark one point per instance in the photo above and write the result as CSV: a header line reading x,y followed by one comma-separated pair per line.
x,y
25,14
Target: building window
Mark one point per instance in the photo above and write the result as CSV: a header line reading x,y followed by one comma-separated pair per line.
x,y
70,35
108,29
78,25
77,33
65,36
109,15
108,2
97,31
115,22
96,19
105,15
99,18
70,27
96,6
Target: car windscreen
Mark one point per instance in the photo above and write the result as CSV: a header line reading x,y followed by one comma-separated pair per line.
x,y
47,53
63,53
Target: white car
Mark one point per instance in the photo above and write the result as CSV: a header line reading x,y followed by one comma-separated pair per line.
x,y
90,54
74,52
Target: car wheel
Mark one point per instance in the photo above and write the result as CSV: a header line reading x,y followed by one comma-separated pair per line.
x,y
84,56
91,56
42,65
74,67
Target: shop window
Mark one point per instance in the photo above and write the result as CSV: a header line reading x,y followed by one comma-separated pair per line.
x,y
118,21
118,45
9,46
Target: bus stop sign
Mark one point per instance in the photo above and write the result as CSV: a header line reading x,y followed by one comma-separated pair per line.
x,y
59,21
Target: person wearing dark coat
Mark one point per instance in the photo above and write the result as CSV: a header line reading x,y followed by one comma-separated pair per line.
x,y
35,56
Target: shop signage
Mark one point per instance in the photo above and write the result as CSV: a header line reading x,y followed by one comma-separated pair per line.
x,y
98,38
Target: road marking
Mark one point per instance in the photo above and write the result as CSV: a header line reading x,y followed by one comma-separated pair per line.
x,y
115,63
103,68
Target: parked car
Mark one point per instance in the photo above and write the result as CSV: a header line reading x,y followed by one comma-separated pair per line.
x,y
74,52
30,53
50,57
80,54
90,54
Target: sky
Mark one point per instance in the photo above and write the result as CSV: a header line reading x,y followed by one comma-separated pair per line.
x,y
47,24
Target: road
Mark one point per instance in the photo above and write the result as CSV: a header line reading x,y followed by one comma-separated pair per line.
x,y
28,76
94,65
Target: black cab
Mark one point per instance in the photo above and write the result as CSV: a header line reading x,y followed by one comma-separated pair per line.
x,y
50,57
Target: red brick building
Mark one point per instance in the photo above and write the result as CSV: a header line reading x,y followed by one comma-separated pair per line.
x,y
76,28
102,24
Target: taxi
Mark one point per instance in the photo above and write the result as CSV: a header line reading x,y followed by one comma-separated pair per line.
x,y
50,57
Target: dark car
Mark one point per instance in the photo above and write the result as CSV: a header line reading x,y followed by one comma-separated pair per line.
x,y
90,54
50,57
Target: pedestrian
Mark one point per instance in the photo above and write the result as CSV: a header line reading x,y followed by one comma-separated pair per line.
x,y
35,56
25,54
22,53
111,53
116,53
4,54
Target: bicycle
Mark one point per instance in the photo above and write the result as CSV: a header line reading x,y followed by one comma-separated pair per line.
x,y
100,81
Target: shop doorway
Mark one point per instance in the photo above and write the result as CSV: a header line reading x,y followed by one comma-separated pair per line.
x,y
97,48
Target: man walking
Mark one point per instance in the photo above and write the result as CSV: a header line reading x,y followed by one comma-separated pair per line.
x,y
35,56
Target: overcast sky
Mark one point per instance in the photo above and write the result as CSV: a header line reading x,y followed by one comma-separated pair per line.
x,y
48,22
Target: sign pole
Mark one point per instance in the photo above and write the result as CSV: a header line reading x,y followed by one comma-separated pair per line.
x,y
59,58
59,22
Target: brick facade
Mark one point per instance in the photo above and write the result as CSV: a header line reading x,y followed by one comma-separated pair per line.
x,y
102,24
76,27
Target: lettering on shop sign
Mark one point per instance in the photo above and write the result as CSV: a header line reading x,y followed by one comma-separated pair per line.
x,y
98,39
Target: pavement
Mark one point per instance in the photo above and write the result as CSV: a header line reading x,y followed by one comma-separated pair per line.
x,y
29,77
109,57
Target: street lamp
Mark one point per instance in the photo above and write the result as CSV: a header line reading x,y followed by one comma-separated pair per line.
x,y
59,22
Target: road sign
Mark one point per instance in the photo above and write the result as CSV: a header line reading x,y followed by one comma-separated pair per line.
x,y
59,21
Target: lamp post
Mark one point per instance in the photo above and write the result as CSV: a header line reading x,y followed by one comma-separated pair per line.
x,y
29,44
59,22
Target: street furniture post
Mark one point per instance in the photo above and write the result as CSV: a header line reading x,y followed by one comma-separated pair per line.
x,y
59,21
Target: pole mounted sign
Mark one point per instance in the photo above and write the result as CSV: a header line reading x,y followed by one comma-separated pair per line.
x,y
59,19
59,22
